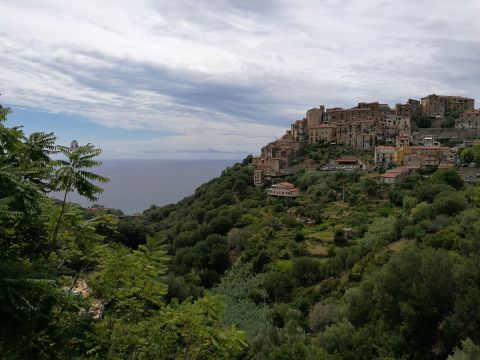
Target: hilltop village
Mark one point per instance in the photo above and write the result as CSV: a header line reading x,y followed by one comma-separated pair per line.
x,y
430,132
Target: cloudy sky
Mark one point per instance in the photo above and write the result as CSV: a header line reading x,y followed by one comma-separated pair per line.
x,y
218,79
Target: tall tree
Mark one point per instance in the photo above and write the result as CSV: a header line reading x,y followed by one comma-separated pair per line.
x,y
73,175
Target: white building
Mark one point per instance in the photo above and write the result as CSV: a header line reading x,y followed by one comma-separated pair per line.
x,y
283,189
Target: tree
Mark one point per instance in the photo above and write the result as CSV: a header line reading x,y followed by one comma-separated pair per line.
x,y
449,177
72,174
237,237
245,300
423,122
239,187
339,238
220,225
449,203
192,330
380,232
306,270
469,351
322,315
467,155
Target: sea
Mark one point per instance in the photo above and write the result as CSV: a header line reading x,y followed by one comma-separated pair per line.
x,y
135,185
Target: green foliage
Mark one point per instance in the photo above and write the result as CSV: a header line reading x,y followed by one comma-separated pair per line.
x,y
306,270
423,293
380,232
239,186
338,337
220,225
449,203
193,331
69,288
449,177
322,315
423,122
470,155
245,300
450,118
469,351
92,286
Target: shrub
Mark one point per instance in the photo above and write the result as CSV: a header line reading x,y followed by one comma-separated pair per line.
x,y
322,315
237,237
278,285
449,177
219,225
306,270
449,203
421,212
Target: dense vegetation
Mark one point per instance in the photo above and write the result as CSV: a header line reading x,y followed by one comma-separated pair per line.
x,y
66,291
380,272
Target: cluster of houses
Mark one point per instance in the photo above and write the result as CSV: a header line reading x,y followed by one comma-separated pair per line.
x,y
365,127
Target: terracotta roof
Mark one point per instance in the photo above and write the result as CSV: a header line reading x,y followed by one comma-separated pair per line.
x,y
285,184
390,175
429,148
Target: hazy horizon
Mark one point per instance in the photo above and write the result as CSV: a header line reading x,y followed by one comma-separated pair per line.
x,y
135,184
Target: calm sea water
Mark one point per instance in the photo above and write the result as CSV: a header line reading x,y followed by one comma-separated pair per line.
x,y
136,184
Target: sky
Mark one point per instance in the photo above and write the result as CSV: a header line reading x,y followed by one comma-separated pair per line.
x,y
220,78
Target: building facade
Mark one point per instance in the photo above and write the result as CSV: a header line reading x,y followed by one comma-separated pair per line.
x,y
436,105
283,189
469,119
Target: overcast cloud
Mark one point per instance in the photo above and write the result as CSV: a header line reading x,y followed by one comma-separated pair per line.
x,y
225,77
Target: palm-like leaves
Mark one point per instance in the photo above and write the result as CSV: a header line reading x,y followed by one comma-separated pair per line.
x,y
72,174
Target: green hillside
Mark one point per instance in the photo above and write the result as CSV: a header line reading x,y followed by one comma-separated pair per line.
x,y
351,269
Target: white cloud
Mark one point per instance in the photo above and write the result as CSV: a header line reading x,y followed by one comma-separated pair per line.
x,y
208,68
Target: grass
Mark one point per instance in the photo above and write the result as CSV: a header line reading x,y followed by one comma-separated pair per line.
x,y
325,235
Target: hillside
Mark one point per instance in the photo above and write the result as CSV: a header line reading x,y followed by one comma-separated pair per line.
x,y
379,272
350,269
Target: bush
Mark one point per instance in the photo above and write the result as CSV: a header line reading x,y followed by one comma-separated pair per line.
x,y
380,232
278,285
469,351
423,122
185,239
237,237
421,212
219,225
306,270
322,315
450,177
449,203
337,338
339,238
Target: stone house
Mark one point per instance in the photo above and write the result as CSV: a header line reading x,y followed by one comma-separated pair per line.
x,y
322,132
384,155
469,119
394,175
412,109
436,105
258,177
397,124
422,156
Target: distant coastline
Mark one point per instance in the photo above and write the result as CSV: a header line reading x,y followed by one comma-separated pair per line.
x,y
135,184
